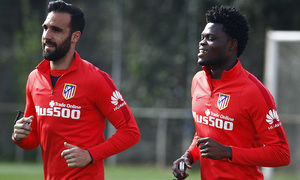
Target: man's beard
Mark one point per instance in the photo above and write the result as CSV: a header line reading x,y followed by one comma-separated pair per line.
x,y
59,52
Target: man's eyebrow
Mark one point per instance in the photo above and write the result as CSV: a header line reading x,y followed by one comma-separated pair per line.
x,y
55,28
207,34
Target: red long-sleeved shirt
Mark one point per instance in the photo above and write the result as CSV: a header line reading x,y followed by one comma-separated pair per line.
x,y
75,111
237,111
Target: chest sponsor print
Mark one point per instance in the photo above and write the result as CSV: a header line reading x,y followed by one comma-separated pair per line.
x,y
214,119
61,110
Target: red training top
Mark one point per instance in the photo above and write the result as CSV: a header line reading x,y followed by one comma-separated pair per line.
x,y
75,112
237,111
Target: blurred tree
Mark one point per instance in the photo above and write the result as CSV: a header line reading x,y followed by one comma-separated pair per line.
x,y
156,42
8,20
156,52
26,46
155,47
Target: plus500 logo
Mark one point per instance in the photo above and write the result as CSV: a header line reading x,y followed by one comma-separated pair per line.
x,y
58,112
214,122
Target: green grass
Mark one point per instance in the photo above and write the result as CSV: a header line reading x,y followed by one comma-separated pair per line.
x,y
141,173
16,171
34,171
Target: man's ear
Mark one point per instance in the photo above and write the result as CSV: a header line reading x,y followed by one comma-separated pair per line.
x,y
75,36
232,45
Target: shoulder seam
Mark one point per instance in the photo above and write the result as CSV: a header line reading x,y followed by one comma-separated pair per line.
x,y
263,91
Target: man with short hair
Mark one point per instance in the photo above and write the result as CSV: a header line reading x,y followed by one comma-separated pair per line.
x,y
237,125
67,103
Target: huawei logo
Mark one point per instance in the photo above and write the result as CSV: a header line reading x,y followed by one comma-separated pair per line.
x,y
273,115
116,97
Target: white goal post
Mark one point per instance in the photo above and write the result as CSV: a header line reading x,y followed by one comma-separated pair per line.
x,y
282,78
273,38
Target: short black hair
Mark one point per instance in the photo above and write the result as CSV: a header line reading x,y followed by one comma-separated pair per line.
x,y
234,24
77,17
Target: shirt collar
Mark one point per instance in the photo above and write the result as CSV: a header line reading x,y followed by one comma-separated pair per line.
x,y
228,75
44,66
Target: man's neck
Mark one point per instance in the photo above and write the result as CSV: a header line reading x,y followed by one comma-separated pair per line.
x,y
63,63
216,73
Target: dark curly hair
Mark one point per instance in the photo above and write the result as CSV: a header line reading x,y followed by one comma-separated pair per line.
x,y
234,24
77,17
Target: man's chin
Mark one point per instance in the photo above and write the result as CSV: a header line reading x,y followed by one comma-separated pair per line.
x,y
208,63
202,62
49,58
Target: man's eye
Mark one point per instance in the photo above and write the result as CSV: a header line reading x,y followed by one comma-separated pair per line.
x,y
56,29
210,38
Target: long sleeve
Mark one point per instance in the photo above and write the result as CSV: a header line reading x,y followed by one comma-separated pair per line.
x,y
111,103
268,156
127,134
31,142
273,149
194,150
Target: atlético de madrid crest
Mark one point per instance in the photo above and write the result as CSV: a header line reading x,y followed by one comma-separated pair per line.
x,y
69,91
223,101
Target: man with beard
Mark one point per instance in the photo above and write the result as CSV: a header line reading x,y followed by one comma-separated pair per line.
x,y
237,125
67,103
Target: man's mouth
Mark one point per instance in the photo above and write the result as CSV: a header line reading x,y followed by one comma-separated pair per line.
x,y
202,51
48,45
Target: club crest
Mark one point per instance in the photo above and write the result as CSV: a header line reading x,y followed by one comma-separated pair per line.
x,y
69,91
223,101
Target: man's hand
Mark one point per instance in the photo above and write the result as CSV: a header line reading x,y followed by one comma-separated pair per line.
x,y
209,148
75,156
187,159
22,128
